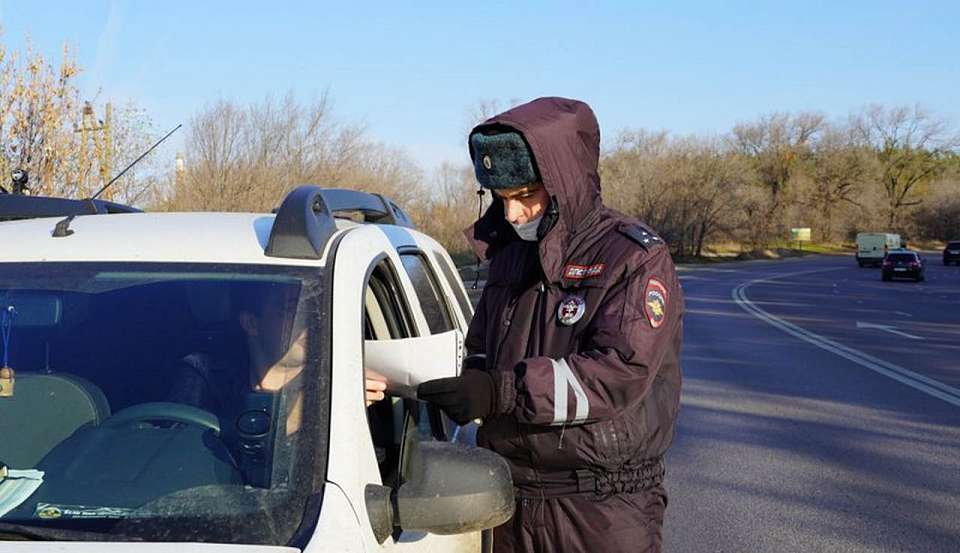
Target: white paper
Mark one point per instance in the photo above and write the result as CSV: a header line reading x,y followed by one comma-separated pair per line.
x,y
405,364
17,487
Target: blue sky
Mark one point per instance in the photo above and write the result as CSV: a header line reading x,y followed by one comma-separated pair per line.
x,y
410,70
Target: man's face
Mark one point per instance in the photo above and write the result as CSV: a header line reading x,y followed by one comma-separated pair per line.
x,y
265,337
525,203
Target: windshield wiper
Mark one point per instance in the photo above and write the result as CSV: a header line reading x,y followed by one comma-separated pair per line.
x,y
13,532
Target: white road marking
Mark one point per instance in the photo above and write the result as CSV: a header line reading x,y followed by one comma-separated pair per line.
x,y
888,328
905,376
902,313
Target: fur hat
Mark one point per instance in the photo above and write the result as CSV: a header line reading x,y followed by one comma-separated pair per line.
x,y
502,160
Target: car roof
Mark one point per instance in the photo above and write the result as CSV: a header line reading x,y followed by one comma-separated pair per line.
x,y
200,237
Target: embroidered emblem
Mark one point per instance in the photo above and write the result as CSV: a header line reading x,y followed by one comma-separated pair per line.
x,y
487,162
571,310
655,302
580,272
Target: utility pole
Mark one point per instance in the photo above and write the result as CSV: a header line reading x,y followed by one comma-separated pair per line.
x,y
102,133
106,160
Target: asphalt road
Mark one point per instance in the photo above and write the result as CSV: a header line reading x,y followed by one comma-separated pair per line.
x,y
807,426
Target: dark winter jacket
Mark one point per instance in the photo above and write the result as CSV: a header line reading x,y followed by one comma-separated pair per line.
x,y
600,394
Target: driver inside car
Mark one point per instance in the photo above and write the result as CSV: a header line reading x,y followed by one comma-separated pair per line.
x,y
266,317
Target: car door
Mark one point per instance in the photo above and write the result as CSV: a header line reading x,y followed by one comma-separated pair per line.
x,y
446,306
373,298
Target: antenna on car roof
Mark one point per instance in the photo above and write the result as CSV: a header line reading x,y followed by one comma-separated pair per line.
x,y
143,155
62,228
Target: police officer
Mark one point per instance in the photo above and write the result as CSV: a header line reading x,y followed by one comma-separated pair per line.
x,y
575,345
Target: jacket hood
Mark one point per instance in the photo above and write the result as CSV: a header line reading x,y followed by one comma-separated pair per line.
x,y
564,138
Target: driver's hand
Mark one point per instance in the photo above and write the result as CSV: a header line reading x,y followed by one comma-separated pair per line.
x,y
375,388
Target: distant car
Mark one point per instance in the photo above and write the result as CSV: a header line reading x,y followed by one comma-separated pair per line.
x,y
903,264
872,247
951,253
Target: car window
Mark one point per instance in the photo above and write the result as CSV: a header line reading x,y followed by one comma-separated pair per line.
x,y
196,381
432,301
422,422
386,305
456,285
386,317
902,257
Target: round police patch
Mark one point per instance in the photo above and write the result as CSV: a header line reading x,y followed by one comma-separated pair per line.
x,y
571,310
487,162
655,302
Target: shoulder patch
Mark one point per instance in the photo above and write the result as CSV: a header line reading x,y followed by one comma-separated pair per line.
x,y
655,302
641,236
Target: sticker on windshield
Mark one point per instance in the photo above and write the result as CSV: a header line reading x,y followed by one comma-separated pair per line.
x,y
53,511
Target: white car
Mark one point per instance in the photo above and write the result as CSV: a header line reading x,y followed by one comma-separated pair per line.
x,y
195,382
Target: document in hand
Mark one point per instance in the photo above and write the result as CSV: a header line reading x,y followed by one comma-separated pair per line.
x,y
405,363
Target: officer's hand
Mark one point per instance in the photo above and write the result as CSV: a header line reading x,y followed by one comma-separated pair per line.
x,y
375,387
463,398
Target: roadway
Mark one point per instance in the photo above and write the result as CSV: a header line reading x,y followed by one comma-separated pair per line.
x,y
820,410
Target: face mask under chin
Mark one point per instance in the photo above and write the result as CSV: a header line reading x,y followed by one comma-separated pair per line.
x,y
527,231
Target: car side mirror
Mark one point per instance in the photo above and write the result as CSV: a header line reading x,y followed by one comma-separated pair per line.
x,y
451,489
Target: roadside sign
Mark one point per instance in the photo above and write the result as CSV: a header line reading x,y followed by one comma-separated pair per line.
x,y
801,235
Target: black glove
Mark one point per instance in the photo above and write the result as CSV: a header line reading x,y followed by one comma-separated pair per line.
x,y
463,398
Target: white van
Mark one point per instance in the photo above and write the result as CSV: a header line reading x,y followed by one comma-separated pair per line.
x,y
873,246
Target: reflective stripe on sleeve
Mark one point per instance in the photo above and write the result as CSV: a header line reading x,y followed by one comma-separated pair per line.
x,y
562,377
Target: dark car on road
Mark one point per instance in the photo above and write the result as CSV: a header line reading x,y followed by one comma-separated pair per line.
x,y
951,253
903,264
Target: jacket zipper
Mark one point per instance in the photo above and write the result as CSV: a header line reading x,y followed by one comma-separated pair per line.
x,y
508,319
531,350
535,349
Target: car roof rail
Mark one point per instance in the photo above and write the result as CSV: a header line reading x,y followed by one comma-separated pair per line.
x,y
303,226
305,219
375,208
17,206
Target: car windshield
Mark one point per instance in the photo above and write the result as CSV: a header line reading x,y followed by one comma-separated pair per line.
x,y
954,245
164,402
901,257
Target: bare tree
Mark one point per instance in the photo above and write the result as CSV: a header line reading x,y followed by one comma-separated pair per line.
x,y
938,218
775,145
837,170
246,158
38,103
688,189
41,116
910,145
632,171
481,110
450,206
